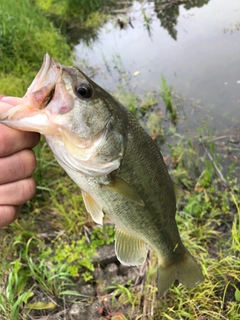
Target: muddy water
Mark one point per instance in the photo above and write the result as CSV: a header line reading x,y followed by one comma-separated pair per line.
x,y
195,46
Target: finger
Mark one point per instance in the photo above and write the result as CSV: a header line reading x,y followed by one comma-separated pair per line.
x,y
18,192
8,214
12,141
9,102
18,166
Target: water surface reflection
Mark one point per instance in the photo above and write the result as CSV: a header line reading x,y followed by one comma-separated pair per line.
x,y
195,46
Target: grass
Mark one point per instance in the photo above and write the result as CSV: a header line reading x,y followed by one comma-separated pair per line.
x,y
25,36
50,248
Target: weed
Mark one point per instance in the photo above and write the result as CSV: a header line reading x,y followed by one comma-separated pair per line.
x,y
166,95
147,22
15,293
76,256
155,129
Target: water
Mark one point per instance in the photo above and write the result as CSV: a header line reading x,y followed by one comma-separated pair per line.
x,y
201,63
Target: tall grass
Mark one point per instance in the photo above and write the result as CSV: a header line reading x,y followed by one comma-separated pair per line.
x,y
25,36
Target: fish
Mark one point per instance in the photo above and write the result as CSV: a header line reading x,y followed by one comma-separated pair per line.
x,y
116,164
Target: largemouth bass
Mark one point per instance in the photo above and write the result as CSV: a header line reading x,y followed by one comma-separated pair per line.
x,y
116,164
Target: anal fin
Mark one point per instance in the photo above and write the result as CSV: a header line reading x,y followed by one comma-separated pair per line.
x,y
130,250
93,208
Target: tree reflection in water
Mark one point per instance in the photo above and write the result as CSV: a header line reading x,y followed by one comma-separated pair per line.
x,y
168,12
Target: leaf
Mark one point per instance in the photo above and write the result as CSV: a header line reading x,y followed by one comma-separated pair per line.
x,y
26,295
73,293
39,305
237,295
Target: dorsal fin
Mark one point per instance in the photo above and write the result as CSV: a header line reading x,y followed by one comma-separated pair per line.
x,y
178,191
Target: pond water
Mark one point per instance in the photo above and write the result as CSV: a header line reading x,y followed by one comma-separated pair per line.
x,y
195,46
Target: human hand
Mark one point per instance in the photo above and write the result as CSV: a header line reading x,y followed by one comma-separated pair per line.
x,y
17,164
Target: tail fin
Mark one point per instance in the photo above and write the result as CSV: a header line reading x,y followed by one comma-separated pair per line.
x,y
185,271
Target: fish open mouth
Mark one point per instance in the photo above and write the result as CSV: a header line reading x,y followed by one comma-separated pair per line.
x,y
50,96
46,77
42,89
31,115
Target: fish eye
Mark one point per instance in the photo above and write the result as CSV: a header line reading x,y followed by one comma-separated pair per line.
x,y
84,90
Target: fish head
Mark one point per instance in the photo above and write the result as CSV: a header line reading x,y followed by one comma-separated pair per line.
x,y
74,114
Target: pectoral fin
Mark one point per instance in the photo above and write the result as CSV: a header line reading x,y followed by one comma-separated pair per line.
x,y
93,208
130,250
124,189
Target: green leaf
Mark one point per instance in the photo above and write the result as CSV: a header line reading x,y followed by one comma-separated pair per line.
x,y
39,305
237,295
73,293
